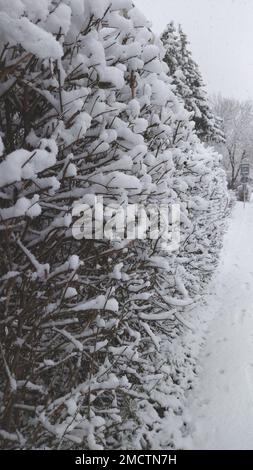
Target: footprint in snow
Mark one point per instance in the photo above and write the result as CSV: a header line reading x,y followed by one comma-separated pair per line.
x,y
221,340
249,377
243,313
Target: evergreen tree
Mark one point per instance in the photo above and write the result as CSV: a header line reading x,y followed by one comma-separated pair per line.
x,y
189,84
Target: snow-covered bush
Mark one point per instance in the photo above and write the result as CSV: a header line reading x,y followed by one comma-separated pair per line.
x,y
90,328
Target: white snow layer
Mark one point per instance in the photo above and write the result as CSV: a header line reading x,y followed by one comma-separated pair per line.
x,y
221,405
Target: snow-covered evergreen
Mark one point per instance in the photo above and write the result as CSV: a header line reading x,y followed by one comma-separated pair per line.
x,y
94,348
189,85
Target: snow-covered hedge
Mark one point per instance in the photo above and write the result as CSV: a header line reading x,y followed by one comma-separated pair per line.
x,y
91,331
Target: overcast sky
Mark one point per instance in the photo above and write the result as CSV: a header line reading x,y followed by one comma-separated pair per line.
x,y
221,37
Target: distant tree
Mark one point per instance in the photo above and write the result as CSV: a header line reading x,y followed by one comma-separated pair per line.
x,y
189,85
237,118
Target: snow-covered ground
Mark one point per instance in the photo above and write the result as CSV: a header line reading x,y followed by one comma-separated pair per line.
x,y
221,405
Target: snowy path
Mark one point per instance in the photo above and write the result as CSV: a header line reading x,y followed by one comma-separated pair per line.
x,y
221,405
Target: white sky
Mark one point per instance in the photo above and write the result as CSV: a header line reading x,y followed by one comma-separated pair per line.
x,y
221,37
